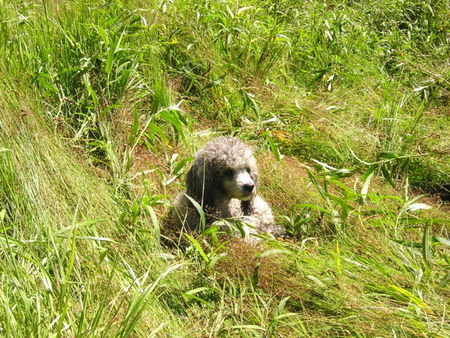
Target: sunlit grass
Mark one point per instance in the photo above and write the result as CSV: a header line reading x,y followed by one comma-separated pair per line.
x,y
103,105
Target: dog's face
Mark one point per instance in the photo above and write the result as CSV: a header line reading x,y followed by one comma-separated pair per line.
x,y
240,183
224,169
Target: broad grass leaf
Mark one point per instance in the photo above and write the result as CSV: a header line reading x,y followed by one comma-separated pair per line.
x,y
200,211
417,206
198,247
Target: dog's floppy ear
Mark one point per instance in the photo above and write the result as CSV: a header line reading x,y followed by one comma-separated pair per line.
x,y
254,174
255,177
199,182
194,185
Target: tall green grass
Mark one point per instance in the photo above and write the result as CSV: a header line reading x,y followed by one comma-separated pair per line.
x,y
103,104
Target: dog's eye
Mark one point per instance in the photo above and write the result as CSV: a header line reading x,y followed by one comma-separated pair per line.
x,y
228,173
248,169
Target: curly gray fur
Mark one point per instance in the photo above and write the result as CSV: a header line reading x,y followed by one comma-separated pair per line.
x,y
224,180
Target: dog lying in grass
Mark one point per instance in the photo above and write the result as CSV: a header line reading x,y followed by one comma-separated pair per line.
x,y
222,184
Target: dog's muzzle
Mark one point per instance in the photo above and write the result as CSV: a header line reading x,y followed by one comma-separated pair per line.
x,y
246,185
247,189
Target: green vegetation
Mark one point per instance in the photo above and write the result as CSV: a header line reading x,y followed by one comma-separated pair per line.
x,y
103,104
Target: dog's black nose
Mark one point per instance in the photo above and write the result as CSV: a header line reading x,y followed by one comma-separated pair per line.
x,y
248,187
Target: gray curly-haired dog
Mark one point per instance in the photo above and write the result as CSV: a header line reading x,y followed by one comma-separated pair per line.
x,y
223,180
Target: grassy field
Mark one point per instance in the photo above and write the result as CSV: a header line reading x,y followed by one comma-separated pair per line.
x,y
346,104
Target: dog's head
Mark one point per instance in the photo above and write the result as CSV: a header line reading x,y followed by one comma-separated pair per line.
x,y
225,168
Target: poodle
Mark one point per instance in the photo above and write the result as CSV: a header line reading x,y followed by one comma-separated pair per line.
x,y
223,180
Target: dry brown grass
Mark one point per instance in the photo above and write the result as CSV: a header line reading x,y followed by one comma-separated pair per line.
x,y
271,273
283,183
